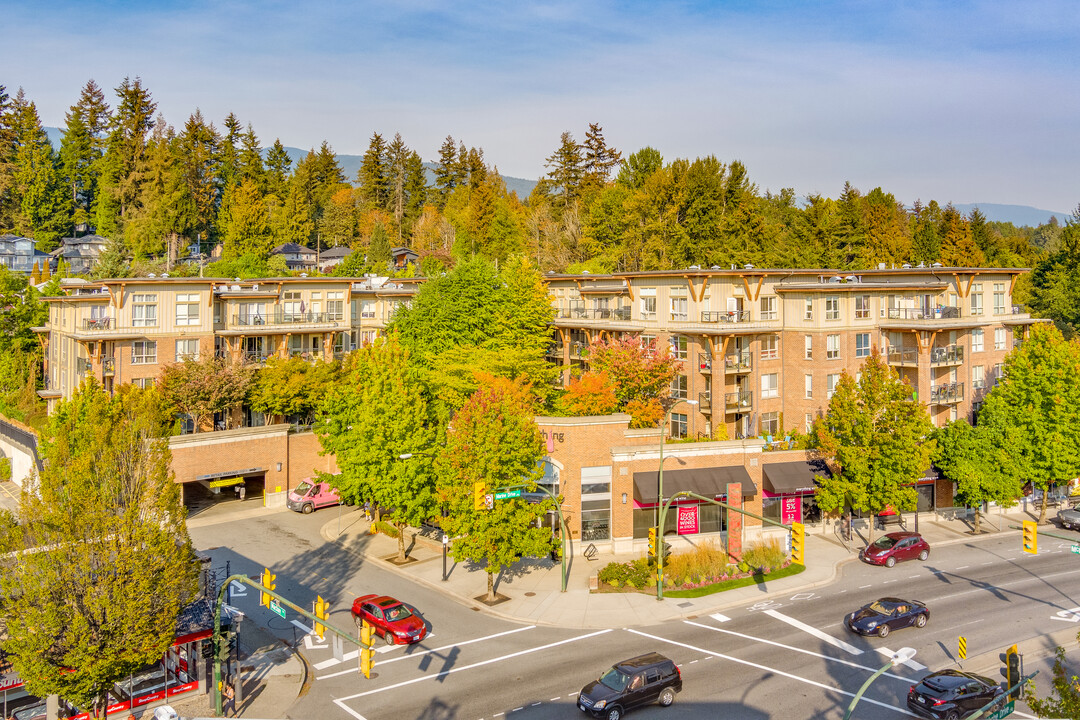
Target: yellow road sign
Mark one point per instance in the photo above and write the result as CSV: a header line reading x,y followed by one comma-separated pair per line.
x,y
963,648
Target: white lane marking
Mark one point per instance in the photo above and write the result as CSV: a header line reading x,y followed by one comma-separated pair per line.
x,y
804,651
340,702
554,699
237,589
774,671
1003,586
534,704
811,630
910,663
962,567
991,563
719,617
353,655
516,709
311,642
302,626
574,694
911,577
863,587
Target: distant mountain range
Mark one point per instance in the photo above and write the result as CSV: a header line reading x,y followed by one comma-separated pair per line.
x,y
1018,215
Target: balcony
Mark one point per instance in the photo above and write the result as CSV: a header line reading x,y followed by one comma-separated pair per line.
x,y
577,348
948,394
730,316
286,318
738,402
738,363
256,356
98,323
555,350
948,355
941,312
902,356
108,366
705,401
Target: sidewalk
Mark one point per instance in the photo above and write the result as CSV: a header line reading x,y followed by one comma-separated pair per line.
x,y
532,586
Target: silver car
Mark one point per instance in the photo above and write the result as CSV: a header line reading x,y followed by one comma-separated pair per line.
x,y
1069,518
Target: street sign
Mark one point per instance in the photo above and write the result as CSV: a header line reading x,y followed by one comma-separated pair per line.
x,y
489,501
1076,549
1004,711
962,647
276,607
507,494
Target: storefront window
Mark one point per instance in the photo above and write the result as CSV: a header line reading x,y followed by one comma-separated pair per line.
x,y
595,520
926,497
550,480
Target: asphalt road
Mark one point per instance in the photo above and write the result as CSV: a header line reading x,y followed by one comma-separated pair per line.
x,y
785,658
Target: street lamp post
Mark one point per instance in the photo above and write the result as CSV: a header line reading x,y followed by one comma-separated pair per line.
x,y
902,655
445,537
668,405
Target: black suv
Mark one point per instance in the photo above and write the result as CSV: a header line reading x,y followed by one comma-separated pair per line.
x,y
951,694
630,684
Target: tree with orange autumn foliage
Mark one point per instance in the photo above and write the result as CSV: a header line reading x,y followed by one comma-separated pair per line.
x,y
591,394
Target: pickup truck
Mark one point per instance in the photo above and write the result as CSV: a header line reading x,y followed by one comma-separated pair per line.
x,y
310,495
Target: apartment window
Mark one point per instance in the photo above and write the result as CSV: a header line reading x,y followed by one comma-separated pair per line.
x,y
335,305
832,308
999,298
678,309
678,346
678,387
144,309
999,372
143,352
999,338
187,309
678,425
770,423
832,347
187,350
976,299
769,385
862,307
808,380
292,305
770,347
808,343
252,314
808,423
862,345
367,308
830,384
768,308
648,303
977,340
143,383
808,312
978,376
648,343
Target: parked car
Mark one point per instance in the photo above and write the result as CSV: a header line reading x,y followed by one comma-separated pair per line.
x,y
895,547
1069,518
37,711
311,495
394,621
887,614
951,694
629,684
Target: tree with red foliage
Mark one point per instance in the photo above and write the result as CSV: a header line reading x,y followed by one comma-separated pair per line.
x,y
640,374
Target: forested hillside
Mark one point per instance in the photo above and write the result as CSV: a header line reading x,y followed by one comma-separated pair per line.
x,y
153,188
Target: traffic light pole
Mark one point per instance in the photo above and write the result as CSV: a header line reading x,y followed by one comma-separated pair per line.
x,y
1002,699
562,523
284,601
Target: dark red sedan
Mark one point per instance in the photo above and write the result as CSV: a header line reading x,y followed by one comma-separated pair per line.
x,y
896,547
395,621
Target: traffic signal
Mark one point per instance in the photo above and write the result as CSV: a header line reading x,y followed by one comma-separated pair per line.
x,y
798,543
322,610
367,652
479,496
225,643
652,542
1031,537
1012,670
268,580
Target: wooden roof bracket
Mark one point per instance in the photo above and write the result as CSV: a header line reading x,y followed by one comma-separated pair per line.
x,y
629,290
746,286
1012,284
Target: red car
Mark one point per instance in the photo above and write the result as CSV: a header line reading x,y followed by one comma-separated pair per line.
x,y
396,622
895,547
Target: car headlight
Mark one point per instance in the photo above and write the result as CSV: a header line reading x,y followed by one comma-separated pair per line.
x,y
601,705
871,625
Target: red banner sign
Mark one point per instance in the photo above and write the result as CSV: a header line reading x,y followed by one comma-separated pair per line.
x,y
688,520
791,509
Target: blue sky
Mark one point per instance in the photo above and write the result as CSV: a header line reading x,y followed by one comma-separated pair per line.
x,y
952,101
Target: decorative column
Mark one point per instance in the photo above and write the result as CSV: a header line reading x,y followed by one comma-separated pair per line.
x,y
735,520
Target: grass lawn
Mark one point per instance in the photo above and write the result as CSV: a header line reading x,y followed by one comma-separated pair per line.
x,y
736,583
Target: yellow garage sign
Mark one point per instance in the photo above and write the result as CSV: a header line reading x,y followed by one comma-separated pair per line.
x,y
226,482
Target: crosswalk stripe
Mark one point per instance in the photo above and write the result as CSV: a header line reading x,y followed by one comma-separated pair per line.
x,y
811,630
910,663
719,617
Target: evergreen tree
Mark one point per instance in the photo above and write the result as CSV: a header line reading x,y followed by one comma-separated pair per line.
x,y
373,177
446,172
337,226
44,206
327,178
278,166
852,230
958,248
250,160
378,254
925,239
166,210
985,239
600,160
82,148
565,170
416,191
122,163
246,224
638,167
8,199
229,152
397,158
198,153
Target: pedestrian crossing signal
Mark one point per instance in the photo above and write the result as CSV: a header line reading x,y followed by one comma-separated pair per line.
x,y
1031,537
798,543
652,542
962,648
367,651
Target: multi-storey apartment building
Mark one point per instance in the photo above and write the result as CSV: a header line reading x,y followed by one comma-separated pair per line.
x,y
762,350
126,330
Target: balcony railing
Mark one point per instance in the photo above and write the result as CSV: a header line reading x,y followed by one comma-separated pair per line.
x,y
99,323
729,316
740,362
902,356
705,401
705,365
577,347
555,349
256,356
286,318
948,355
108,366
942,312
946,394
739,401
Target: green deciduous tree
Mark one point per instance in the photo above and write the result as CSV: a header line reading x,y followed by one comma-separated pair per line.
x,y
1064,698
377,414
1034,410
878,436
494,440
293,388
108,564
978,461
200,388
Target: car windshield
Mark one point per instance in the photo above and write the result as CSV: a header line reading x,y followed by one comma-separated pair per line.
x,y
884,543
880,608
615,680
302,488
398,612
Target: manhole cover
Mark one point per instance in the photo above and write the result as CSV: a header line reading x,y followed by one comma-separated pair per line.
x,y
530,594
686,604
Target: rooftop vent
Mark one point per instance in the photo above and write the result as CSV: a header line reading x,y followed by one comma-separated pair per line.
x,y
255,286
551,272
586,272
881,266
303,274
715,267
236,288
922,265
936,265
151,275
164,275
734,266
851,278
748,266
906,266
835,279
236,279
694,267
